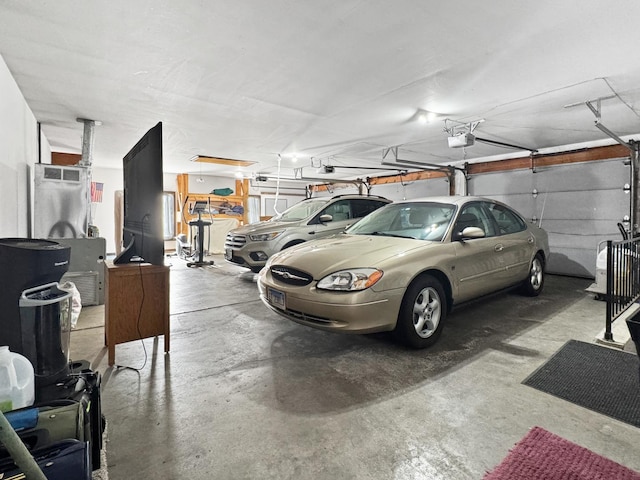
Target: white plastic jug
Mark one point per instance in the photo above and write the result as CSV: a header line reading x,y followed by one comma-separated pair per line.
x,y
17,388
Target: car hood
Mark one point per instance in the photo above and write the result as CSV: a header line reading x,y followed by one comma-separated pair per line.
x,y
324,256
262,227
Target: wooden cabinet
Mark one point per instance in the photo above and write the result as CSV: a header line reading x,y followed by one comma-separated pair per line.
x,y
136,304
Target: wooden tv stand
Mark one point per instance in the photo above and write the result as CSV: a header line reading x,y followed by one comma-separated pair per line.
x,y
136,304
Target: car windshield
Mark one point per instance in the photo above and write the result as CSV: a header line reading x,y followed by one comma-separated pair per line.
x,y
301,210
419,220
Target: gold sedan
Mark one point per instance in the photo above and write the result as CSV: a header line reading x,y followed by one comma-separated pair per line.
x,y
403,267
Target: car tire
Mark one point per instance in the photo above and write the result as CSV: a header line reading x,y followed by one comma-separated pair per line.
x,y
533,285
256,269
422,313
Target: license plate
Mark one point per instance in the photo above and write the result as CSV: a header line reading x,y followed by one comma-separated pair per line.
x,y
228,253
276,298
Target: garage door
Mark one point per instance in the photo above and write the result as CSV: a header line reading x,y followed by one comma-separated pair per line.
x,y
438,186
341,189
578,204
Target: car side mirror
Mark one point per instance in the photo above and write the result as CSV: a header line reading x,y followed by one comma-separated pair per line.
x,y
469,233
325,218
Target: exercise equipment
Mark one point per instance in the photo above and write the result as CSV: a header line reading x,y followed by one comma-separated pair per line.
x,y
197,208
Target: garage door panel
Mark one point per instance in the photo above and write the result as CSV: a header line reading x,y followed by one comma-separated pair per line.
x,y
521,202
580,205
610,174
491,184
342,190
584,205
572,261
415,189
570,232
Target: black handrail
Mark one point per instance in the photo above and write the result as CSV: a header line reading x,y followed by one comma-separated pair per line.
x,y
623,231
623,279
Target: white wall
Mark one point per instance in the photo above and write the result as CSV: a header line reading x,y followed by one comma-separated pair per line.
x,y
18,152
103,213
209,183
289,194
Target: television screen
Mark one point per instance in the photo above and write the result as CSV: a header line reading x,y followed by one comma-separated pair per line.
x,y
143,186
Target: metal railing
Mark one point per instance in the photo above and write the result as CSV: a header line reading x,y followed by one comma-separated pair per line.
x,y
623,279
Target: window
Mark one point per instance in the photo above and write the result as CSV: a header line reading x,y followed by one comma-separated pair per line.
x,y
418,220
339,210
473,215
272,209
168,215
360,208
507,220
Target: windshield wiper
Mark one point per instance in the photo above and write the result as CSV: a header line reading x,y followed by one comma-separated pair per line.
x,y
384,234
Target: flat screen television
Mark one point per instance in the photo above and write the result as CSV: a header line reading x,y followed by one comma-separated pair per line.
x,y
143,186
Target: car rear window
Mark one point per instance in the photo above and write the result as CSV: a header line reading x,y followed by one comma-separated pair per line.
x,y
302,210
361,207
507,220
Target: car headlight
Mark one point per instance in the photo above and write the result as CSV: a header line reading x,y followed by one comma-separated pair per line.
x,y
264,237
350,280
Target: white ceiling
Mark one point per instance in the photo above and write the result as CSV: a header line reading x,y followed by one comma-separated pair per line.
x,y
333,81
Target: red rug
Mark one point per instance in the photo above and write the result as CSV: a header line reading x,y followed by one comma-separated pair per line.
x,y
541,455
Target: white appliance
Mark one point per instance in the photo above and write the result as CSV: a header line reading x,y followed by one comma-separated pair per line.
x,y
61,201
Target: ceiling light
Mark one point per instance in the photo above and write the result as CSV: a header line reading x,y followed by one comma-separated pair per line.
x,y
289,156
200,179
425,116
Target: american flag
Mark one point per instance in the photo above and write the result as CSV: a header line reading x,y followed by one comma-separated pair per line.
x,y
96,192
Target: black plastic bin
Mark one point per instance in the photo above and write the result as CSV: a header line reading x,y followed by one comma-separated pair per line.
x,y
633,324
45,313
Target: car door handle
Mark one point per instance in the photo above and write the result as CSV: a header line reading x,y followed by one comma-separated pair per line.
x,y
499,247
312,233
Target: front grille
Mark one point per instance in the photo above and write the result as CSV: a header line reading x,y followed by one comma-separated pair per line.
x,y
290,276
307,318
296,315
235,241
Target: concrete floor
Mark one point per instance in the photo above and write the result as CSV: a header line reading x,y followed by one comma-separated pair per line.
x,y
246,394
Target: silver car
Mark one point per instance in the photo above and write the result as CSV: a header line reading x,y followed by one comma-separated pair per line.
x,y
251,245
403,268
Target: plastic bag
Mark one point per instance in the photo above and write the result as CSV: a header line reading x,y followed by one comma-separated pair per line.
x,y
76,301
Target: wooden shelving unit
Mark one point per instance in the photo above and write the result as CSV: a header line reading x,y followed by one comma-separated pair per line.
x,y
216,201
218,205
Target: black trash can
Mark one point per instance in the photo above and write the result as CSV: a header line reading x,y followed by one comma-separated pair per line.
x,y
45,313
633,324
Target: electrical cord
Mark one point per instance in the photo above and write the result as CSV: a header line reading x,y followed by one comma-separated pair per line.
x,y
275,200
141,276
144,348
184,204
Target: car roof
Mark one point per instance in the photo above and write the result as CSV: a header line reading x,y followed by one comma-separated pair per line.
x,y
350,195
452,200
